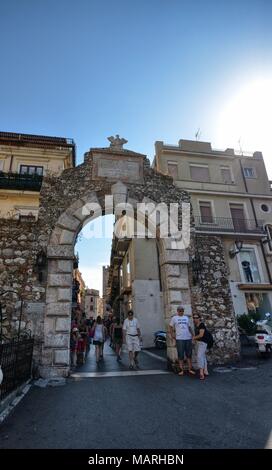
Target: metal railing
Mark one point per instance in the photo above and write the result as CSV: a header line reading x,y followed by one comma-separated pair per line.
x,y
16,364
19,181
228,225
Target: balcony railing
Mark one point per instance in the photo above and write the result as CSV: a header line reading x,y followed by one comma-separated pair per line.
x,y
19,181
228,225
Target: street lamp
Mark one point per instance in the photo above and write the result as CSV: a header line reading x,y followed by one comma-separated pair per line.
x,y
238,247
41,263
196,267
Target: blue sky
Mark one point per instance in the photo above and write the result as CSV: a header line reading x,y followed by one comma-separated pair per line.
x,y
147,69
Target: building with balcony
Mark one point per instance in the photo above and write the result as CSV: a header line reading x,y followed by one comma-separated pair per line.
x,y
231,198
24,160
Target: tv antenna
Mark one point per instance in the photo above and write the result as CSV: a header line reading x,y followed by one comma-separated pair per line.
x,y
197,134
240,146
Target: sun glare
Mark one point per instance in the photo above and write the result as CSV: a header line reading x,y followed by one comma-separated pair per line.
x,y
245,121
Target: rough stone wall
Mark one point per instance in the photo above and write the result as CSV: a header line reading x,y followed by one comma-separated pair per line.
x,y
211,299
19,247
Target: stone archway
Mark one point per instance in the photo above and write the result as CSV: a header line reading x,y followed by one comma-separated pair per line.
x,y
128,178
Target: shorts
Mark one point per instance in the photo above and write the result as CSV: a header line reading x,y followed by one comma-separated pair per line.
x,y
118,341
97,343
184,347
133,343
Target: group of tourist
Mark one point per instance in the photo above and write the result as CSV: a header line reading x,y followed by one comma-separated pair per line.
x,y
184,336
85,332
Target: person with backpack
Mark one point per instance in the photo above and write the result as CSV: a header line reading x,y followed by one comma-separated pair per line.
x,y
203,339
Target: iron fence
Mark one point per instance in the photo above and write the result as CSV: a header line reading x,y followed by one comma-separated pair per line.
x,y
16,363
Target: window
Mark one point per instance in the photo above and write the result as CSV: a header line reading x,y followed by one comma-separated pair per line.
x,y
249,172
206,214
268,229
264,208
31,170
199,173
27,218
91,308
91,299
226,174
238,217
250,269
173,169
1,165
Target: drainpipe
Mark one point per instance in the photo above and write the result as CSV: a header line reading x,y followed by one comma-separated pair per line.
x,y
11,163
256,222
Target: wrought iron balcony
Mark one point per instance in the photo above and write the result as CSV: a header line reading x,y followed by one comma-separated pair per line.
x,y
19,181
228,225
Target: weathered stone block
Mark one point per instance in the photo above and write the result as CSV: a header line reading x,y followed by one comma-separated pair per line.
x,y
65,266
60,280
59,309
61,357
64,252
67,237
175,256
50,326
175,296
178,283
51,295
57,340
63,324
172,269
64,294
69,222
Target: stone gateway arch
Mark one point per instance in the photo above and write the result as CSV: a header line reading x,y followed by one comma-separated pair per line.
x,y
66,205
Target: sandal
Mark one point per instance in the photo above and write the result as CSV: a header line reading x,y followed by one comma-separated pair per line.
x,y
192,372
202,378
181,372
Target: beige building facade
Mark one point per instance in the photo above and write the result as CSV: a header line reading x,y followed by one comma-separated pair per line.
x,y
231,198
24,160
93,303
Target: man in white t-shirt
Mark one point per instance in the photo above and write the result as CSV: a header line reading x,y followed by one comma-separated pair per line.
x,y
182,332
131,336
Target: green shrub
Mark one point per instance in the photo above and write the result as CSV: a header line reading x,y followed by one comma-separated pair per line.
x,y
244,321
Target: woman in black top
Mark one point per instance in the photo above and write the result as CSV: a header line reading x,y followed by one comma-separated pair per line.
x,y
202,343
117,338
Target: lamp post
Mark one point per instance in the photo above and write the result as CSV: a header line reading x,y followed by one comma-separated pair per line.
x,y
196,267
238,247
41,263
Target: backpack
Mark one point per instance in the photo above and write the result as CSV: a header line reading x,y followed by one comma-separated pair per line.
x,y
210,340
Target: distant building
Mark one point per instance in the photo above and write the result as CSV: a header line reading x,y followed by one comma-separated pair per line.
x,y
106,289
78,289
93,306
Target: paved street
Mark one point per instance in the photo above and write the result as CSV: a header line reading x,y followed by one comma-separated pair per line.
x,y
232,409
